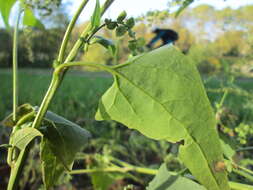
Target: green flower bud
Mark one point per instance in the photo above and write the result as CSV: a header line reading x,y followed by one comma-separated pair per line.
x,y
130,22
121,30
122,16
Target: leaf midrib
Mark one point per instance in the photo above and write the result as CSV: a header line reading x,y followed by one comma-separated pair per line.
x,y
115,72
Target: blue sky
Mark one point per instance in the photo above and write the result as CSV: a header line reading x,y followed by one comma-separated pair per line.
x,y
139,7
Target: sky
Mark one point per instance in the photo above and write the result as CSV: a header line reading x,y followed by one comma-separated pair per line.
x,y
140,7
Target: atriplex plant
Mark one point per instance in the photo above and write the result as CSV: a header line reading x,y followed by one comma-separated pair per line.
x,y
159,93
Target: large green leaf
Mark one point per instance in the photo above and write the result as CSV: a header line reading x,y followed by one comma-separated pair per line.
x,y
52,169
5,8
30,20
164,180
65,138
161,95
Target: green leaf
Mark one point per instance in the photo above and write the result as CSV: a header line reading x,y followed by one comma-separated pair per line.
x,y
108,44
65,137
131,34
52,169
229,152
5,9
160,94
22,137
95,19
111,25
22,111
121,30
30,20
164,180
130,22
121,16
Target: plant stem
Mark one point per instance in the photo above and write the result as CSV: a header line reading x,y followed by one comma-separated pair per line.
x,y
47,99
239,186
69,30
15,66
245,148
16,169
244,174
116,169
245,169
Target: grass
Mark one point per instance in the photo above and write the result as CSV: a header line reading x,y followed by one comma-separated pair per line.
x,y
77,97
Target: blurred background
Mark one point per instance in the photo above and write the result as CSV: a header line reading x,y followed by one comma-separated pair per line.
x,y
217,35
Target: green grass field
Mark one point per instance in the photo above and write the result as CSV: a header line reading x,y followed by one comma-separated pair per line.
x,y
76,98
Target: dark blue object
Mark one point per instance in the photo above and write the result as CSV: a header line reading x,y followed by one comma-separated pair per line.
x,y
167,36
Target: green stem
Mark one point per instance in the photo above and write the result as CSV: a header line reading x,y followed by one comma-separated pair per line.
x,y
245,169
69,30
64,66
245,148
95,31
15,66
17,169
116,169
239,186
47,99
244,174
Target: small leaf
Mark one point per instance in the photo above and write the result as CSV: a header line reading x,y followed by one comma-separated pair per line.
x,y
52,169
5,9
111,25
161,94
30,20
121,30
22,137
229,152
164,180
95,19
131,33
108,44
65,138
132,45
121,16
21,112
130,22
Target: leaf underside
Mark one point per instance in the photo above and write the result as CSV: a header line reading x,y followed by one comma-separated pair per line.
x,y
65,137
160,94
